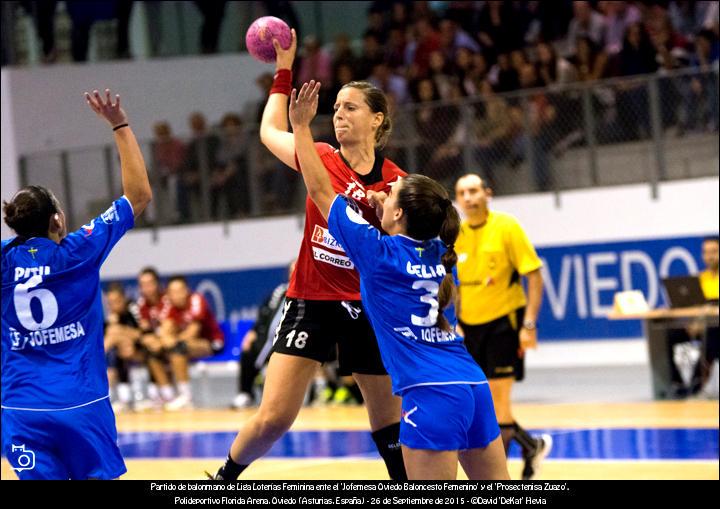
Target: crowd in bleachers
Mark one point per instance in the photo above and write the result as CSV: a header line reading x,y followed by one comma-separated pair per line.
x,y
513,45
428,55
420,55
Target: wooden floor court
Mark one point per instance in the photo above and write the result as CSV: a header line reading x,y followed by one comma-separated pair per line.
x,y
651,440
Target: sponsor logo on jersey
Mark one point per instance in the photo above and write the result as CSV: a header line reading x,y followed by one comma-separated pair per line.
x,y
436,335
88,228
110,215
406,331
44,337
333,259
322,236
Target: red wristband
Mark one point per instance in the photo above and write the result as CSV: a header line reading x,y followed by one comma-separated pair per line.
x,y
282,82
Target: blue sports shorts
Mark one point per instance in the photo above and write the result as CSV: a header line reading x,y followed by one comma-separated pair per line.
x,y
448,417
80,443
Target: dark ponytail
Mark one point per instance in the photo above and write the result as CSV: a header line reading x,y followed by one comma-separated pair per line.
x,y
448,234
429,213
29,212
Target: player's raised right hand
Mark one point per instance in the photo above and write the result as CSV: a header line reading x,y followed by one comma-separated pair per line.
x,y
285,57
105,109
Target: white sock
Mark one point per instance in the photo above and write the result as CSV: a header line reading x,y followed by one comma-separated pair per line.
x,y
124,393
320,384
166,392
153,392
184,389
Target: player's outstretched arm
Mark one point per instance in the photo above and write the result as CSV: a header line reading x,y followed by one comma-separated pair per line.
x,y
274,124
136,186
303,106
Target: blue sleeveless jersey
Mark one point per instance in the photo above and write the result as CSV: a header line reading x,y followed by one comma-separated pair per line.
x,y
52,315
399,282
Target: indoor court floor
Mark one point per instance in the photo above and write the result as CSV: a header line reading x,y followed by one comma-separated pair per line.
x,y
644,440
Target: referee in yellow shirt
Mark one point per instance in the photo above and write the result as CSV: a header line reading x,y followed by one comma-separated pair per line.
x,y
710,283
498,321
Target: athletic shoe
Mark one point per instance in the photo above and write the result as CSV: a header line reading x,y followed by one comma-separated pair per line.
x,y
243,400
534,459
181,402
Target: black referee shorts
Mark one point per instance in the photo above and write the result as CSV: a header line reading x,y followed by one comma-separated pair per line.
x,y
494,345
320,330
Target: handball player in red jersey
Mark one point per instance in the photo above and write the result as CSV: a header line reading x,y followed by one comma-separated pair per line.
x,y
188,330
322,310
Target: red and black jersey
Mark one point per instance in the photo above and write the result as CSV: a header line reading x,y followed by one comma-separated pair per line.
x,y
324,271
197,310
150,314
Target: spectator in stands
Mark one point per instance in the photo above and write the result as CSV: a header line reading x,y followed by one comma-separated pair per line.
x,y
452,38
479,69
375,24
552,69
168,160
688,17
257,343
151,304
229,175
618,17
442,74
427,40
399,17
496,29
371,56
315,63
590,60
43,12
541,135
395,49
277,187
188,331
213,13
586,23
435,125
384,79
503,75
83,15
495,130
342,54
446,161
638,56
122,336
699,99
518,60
463,66
199,163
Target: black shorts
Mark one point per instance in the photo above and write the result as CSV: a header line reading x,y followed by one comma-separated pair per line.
x,y
494,346
320,330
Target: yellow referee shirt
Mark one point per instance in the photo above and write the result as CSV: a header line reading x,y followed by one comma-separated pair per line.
x,y
710,284
491,259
